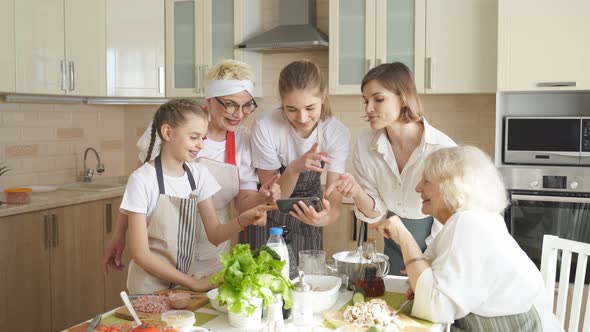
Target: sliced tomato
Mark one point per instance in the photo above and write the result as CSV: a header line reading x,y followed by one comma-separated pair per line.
x,y
144,328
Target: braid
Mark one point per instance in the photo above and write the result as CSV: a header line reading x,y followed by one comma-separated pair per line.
x,y
152,141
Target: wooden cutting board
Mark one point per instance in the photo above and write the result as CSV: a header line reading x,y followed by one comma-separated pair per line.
x,y
336,318
197,300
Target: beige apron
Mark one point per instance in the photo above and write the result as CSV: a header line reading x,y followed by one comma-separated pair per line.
x,y
207,255
173,233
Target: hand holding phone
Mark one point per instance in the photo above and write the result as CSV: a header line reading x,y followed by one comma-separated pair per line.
x,y
286,205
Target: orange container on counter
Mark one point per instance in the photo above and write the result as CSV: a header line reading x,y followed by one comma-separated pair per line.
x,y
18,195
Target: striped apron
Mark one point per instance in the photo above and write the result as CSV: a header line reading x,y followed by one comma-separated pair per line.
x,y
525,322
420,229
300,235
173,233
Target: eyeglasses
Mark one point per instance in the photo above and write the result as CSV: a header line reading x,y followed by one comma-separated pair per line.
x,y
231,107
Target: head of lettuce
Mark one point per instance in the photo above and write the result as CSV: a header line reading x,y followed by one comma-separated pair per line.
x,y
246,276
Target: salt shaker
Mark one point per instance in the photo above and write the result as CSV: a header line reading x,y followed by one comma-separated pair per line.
x,y
302,302
275,315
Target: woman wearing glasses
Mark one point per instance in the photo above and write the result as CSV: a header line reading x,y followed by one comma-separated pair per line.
x,y
301,140
226,153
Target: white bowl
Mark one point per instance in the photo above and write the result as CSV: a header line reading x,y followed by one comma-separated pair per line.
x,y
240,320
212,295
325,291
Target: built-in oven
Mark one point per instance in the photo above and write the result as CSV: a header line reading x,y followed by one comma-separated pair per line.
x,y
548,201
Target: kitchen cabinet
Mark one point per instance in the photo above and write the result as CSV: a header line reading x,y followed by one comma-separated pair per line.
x,y
60,46
135,48
450,46
543,45
52,267
364,34
199,34
461,46
115,281
25,304
7,42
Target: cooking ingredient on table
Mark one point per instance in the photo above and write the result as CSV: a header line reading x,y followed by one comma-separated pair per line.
x,y
371,278
179,319
276,243
152,303
374,312
155,304
245,278
358,296
179,300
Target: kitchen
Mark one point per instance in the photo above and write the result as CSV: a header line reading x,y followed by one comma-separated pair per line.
x,y
45,131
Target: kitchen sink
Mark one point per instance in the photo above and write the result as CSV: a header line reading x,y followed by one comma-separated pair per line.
x,y
104,184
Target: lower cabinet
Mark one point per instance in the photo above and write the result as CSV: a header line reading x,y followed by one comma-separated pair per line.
x,y
51,276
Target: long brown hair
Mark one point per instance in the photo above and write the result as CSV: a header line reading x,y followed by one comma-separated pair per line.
x,y
173,114
305,75
397,78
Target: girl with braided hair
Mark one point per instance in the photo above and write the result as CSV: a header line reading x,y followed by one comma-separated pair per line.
x,y
167,198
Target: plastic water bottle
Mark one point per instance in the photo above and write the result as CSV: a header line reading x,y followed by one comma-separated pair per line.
x,y
276,243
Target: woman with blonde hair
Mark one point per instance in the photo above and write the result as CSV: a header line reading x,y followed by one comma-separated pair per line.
x,y
389,157
226,153
473,275
301,140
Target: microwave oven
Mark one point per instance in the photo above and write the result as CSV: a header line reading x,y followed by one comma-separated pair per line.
x,y
547,140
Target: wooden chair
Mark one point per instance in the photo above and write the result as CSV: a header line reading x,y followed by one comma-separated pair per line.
x,y
551,247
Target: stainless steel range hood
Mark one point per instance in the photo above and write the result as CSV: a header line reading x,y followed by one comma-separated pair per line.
x,y
296,30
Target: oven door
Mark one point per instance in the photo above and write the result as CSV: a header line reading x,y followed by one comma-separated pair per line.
x,y
534,214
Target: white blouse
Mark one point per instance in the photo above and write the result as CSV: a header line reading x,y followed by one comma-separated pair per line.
x,y
477,267
376,171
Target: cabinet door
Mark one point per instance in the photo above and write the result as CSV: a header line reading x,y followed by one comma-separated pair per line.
x,y
183,29
461,41
39,44
7,51
543,45
25,303
352,44
218,28
77,279
135,48
85,47
400,35
115,281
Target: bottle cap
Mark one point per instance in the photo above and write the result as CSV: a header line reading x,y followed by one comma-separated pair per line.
x,y
276,231
301,285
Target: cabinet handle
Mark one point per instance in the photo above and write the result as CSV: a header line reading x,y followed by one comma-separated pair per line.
x,y
555,84
368,65
203,75
109,218
72,76
46,238
197,78
378,62
55,230
428,73
64,82
161,80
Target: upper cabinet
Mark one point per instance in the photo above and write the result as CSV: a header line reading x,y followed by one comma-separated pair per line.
x,y
450,46
199,34
60,46
135,48
461,43
543,45
7,42
364,34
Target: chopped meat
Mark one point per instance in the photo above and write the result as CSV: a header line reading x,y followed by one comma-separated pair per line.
x,y
374,312
152,304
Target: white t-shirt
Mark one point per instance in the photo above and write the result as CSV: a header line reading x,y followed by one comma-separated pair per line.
x,y
376,171
216,150
142,192
477,267
268,132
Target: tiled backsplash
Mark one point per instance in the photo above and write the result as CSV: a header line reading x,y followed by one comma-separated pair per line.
x,y
45,143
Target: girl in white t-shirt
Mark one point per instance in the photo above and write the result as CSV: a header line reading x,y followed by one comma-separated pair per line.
x,y
164,198
302,141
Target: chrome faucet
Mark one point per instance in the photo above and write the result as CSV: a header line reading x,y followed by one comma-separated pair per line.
x,y
89,172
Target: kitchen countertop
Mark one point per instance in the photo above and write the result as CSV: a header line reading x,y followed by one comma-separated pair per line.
x,y
58,198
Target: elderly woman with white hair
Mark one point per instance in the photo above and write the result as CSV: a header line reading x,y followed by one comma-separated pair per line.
x,y
473,275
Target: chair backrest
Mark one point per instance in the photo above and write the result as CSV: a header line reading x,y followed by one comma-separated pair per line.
x,y
551,246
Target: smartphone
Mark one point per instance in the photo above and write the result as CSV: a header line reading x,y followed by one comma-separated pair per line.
x,y
286,205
